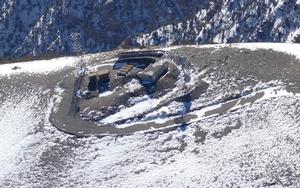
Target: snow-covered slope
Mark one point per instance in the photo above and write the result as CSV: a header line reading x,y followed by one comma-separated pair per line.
x,y
35,27
253,146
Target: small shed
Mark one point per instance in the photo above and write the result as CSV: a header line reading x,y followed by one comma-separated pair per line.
x,y
153,72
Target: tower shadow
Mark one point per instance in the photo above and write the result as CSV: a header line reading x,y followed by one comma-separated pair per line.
x,y
187,103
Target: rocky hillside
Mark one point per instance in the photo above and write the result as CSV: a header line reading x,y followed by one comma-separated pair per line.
x,y
39,27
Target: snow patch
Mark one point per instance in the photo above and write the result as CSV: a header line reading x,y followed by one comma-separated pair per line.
x,y
105,93
37,67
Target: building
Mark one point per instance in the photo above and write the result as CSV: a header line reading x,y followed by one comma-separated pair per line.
x,y
153,72
142,53
99,80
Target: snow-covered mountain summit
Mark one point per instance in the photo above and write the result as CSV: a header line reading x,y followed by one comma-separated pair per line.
x,y
38,27
243,131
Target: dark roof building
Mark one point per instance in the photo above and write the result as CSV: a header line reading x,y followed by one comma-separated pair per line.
x,y
142,53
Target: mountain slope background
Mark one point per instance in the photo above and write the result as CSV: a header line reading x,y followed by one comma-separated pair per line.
x,y
65,27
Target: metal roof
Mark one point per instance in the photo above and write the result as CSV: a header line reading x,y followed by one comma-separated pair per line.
x,y
100,72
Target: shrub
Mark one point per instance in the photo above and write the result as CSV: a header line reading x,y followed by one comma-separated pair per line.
x,y
296,39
